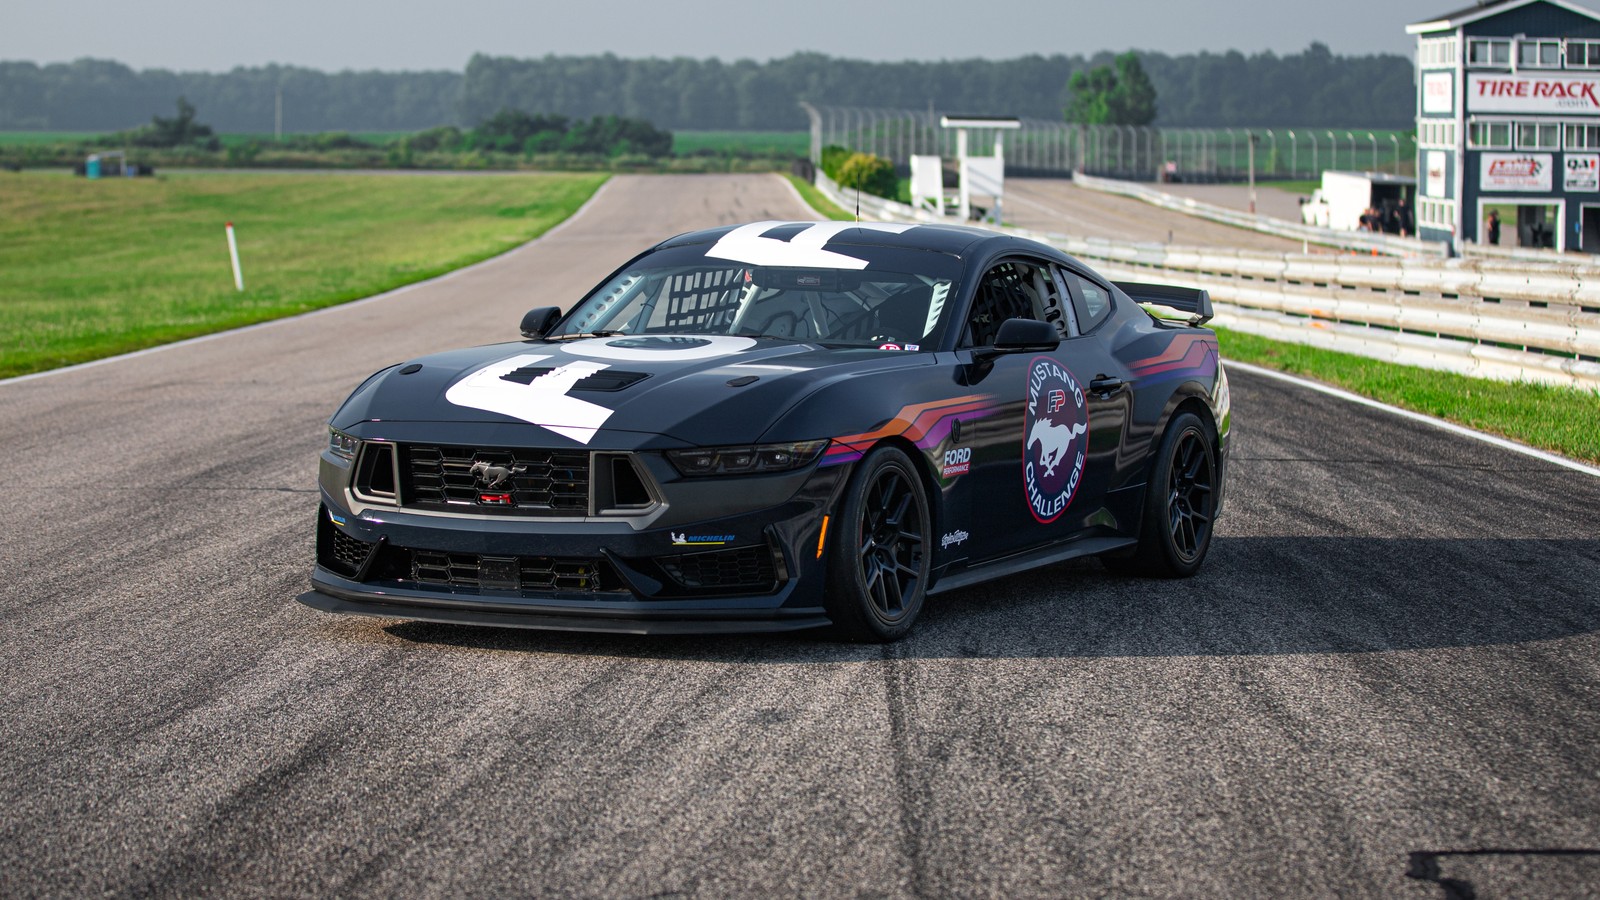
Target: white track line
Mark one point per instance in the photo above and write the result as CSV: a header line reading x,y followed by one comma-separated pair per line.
x,y
315,312
1452,427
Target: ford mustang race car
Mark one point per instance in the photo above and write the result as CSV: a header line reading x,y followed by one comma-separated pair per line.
x,y
782,426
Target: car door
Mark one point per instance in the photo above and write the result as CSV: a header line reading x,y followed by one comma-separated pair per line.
x,y
1032,476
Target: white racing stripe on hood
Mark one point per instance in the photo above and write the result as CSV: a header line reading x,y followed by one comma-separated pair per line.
x,y
543,401
667,348
747,245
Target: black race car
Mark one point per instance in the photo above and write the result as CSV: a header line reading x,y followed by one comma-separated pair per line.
x,y
782,425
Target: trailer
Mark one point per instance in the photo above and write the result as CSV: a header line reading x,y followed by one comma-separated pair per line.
x,y
1346,196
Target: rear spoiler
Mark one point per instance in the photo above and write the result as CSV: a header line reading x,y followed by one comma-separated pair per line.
x,y
1190,304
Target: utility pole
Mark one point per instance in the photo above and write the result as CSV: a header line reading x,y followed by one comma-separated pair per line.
x,y
277,117
1251,144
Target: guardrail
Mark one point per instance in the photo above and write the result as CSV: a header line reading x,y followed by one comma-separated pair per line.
x,y
1502,319
1389,244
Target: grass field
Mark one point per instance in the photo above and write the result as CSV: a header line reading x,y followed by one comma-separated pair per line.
x,y
25,138
749,143
1562,420
91,269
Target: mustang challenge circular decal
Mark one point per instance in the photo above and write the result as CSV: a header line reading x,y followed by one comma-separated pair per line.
x,y
1054,438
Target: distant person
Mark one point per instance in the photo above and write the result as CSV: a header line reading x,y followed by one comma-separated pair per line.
x,y
1494,226
1369,220
1403,216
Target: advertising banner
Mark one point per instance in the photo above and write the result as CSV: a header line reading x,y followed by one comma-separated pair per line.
x,y
1434,185
1582,172
1438,92
1546,92
1515,172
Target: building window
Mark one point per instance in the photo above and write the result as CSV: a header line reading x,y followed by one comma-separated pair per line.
x,y
1482,52
1489,135
1583,54
1435,53
1435,133
1439,214
1538,136
1539,54
1583,137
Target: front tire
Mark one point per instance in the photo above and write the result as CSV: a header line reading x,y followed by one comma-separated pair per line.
x,y
881,550
1180,505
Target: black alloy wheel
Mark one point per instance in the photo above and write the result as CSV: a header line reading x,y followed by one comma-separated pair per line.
x,y
878,566
1190,496
1180,505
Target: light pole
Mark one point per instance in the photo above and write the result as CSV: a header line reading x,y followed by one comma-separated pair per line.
x,y
1250,148
1316,173
1396,139
1333,151
1352,138
1273,154
1374,139
1294,156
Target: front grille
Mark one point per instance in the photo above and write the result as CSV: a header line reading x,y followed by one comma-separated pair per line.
x,y
744,568
471,571
521,481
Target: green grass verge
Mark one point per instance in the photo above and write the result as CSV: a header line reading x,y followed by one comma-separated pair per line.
x,y
90,269
1561,420
821,204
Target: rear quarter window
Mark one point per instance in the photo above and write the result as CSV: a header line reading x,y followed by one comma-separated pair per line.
x,y
1093,302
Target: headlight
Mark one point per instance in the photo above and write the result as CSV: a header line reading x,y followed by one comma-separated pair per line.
x,y
342,445
760,459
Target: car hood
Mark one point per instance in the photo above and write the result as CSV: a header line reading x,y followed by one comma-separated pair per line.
x,y
610,391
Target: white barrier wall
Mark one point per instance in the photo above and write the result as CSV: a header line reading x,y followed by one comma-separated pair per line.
x,y
1503,319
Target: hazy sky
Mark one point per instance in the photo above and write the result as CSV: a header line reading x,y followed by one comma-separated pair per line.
x,y
413,34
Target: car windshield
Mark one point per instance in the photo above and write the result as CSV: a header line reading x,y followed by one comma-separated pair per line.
x,y
852,307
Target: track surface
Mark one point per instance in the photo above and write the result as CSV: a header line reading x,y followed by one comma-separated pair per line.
x,y
1052,204
1391,657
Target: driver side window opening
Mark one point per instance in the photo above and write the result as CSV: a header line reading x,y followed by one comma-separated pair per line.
x,y
1014,290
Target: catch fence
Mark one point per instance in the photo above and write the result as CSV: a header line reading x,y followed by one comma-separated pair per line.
x,y
1141,153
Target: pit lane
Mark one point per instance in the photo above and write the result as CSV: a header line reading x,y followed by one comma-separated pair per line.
x,y
1391,656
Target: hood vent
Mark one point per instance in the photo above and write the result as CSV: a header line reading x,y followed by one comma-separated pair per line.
x,y
604,380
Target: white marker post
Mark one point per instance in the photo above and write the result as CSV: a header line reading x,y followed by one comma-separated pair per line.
x,y
233,251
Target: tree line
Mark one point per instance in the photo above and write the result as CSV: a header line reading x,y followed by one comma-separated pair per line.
x,y
1312,88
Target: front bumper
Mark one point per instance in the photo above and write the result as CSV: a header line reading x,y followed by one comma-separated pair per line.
x,y
755,571
554,615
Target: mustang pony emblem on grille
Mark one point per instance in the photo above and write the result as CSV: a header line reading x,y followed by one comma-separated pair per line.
x,y
491,476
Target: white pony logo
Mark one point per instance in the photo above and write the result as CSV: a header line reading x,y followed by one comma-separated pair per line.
x,y
1053,441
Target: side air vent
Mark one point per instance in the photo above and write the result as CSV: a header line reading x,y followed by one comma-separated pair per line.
x,y
619,489
376,474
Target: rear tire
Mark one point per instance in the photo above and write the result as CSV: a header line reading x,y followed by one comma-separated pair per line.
x,y
880,555
1180,505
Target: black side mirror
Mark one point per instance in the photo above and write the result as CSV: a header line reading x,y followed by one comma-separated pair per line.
x,y
539,320
1022,335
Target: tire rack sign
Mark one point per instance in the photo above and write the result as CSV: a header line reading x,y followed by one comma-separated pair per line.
x,y
1515,172
1553,92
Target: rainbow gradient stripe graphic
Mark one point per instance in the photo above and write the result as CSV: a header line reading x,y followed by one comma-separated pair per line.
x,y
1186,356
924,424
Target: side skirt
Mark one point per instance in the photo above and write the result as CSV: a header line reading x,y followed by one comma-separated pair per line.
x,y
1031,559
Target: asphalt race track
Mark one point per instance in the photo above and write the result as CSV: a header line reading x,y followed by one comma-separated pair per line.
x,y
1386,682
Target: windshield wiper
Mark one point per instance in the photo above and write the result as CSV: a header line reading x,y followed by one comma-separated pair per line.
x,y
582,334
